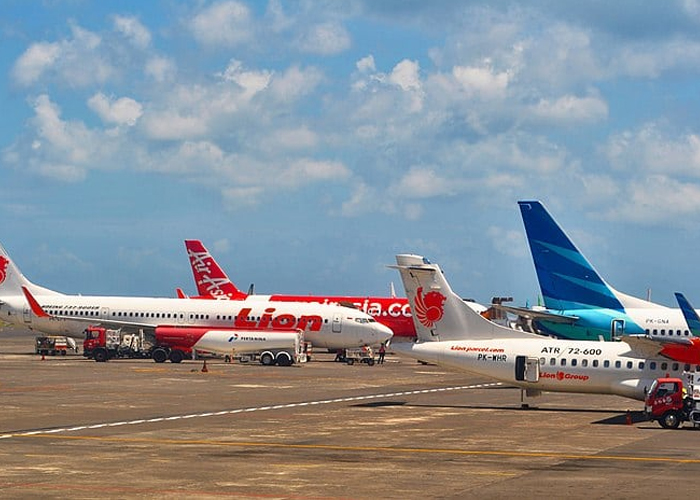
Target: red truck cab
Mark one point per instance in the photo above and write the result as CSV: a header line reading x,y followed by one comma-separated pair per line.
x,y
665,402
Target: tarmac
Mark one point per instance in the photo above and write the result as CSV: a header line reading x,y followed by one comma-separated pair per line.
x,y
73,428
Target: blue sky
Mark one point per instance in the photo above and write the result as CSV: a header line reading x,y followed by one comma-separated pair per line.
x,y
306,143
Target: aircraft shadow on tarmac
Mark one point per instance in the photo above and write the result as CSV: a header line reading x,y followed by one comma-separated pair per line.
x,y
619,419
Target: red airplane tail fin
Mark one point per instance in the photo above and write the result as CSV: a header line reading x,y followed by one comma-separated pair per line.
x,y
210,279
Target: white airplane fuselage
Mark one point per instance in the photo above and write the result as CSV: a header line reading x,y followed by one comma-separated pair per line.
x,y
325,326
562,365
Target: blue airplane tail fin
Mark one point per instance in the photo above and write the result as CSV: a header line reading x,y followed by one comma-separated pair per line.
x,y
690,315
567,279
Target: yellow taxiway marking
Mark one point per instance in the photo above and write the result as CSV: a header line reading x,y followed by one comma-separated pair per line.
x,y
378,449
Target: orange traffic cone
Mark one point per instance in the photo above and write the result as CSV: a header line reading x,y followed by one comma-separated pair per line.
x,y
43,358
628,418
204,367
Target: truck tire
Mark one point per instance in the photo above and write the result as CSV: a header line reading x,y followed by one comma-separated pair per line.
x,y
177,356
100,355
159,355
370,362
283,359
267,359
670,420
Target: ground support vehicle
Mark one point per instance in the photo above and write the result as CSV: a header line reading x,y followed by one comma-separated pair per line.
x,y
672,401
359,355
51,345
102,344
283,348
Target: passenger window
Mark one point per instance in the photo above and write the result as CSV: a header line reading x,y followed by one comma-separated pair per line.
x,y
553,361
595,363
652,365
606,364
629,365
584,362
618,364
674,367
641,365
664,366
563,361
574,362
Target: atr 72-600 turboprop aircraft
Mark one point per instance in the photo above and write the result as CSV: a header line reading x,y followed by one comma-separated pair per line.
x,y
453,335
212,282
579,304
330,326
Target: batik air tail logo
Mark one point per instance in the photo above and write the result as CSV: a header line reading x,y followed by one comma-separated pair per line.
x,y
3,268
429,307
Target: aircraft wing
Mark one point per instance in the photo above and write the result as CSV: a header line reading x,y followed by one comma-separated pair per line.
x,y
535,314
41,313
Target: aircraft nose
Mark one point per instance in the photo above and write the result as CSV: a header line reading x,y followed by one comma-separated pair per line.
x,y
384,333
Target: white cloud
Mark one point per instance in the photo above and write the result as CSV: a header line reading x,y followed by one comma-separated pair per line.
x,y
306,170
34,61
652,59
298,138
295,82
422,183
406,75
325,39
507,242
172,125
366,64
78,61
122,111
657,198
72,140
650,149
251,82
160,69
63,173
481,81
571,109
132,29
225,24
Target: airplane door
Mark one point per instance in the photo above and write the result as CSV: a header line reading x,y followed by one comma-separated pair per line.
x,y
617,328
337,323
527,369
27,315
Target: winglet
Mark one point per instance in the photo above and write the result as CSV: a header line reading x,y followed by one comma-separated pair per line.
x,y
180,293
36,307
690,315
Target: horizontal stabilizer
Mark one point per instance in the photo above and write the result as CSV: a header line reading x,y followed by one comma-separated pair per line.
x,y
526,313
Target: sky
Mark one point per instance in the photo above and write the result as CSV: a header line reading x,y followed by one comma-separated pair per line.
x,y
307,143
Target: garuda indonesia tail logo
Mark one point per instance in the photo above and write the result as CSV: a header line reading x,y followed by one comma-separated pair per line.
x,y
3,268
429,307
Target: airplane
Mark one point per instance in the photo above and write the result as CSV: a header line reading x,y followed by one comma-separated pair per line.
x,y
453,335
579,304
212,282
326,325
